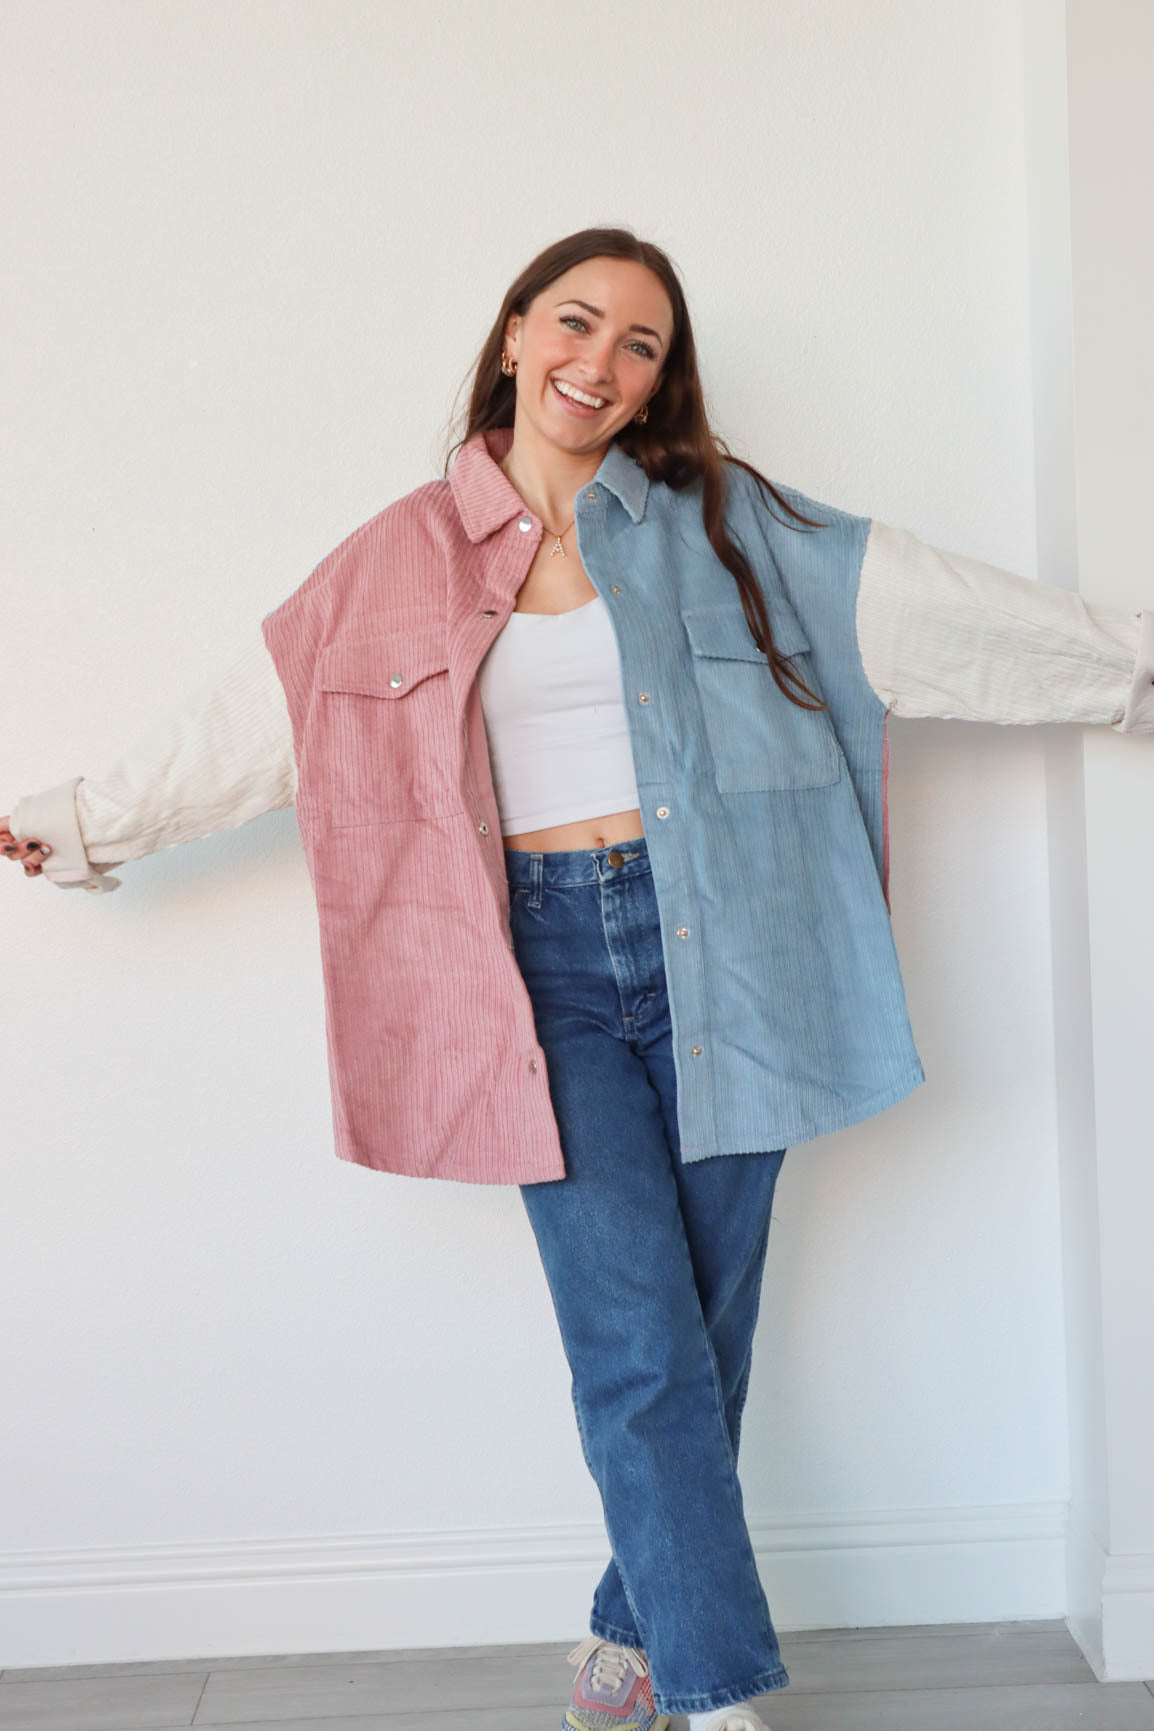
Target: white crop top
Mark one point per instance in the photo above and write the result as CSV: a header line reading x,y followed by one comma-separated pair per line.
x,y
555,718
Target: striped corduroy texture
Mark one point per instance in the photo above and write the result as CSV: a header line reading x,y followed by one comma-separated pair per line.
x,y
784,996
765,823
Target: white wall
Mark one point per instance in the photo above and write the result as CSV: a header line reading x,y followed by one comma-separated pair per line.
x,y
1111,133
270,1402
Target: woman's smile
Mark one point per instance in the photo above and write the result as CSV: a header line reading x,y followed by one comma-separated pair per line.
x,y
571,403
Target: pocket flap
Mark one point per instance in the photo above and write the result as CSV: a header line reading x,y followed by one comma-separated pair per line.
x,y
385,664
720,629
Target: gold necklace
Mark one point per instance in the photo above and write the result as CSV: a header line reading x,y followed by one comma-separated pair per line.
x,y
558,548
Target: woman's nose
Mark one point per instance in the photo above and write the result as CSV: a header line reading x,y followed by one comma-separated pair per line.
x,y
598,367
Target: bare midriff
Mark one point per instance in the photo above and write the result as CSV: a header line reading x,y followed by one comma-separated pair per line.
x,y
587,832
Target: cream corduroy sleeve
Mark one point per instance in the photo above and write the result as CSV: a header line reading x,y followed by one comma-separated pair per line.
x,y
943,635
220,758
939,634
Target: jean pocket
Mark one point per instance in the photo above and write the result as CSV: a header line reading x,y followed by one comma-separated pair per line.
x,y
758,739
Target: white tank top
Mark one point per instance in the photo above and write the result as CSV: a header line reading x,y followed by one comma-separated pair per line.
x,y
555,719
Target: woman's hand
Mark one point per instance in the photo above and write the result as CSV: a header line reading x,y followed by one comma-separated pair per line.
x,y
32,853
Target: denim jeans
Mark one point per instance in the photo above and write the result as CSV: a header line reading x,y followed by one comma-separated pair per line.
x,y
655,1270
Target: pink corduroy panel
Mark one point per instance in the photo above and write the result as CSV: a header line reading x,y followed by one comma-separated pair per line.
x,y
434,1063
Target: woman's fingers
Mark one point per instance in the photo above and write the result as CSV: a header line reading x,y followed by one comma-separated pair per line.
x,y
30,852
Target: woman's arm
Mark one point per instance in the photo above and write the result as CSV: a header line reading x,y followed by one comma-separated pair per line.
x,y
943,635
222,757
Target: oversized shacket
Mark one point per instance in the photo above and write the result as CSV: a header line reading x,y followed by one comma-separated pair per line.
x,y
766,823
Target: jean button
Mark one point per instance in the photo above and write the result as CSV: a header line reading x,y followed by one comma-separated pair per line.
x,y
616,857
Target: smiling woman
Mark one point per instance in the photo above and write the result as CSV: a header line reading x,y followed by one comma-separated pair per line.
x,y
587,740
589,355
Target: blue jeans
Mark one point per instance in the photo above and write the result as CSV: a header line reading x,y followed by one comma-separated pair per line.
x,y
655,1272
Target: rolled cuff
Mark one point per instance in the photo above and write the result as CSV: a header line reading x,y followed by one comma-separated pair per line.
x,y
1138,716
51,816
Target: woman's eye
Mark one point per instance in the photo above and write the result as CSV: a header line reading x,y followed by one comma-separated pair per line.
x,y
576,319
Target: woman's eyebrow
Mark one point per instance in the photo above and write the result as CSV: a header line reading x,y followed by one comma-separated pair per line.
x,y
600,313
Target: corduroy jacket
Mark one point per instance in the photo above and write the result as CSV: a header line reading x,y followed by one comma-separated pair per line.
x,y
766,823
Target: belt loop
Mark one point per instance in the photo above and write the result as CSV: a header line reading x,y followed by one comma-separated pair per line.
x,y
536,875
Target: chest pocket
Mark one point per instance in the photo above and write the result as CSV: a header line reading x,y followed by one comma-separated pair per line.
x,y
383,739
758,738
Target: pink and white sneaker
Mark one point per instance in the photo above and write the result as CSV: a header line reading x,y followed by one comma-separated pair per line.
x,y
612,1690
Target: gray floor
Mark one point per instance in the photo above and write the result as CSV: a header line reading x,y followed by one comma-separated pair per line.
x,y
963,1677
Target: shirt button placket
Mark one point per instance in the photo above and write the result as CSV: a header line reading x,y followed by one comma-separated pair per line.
x,y
682,931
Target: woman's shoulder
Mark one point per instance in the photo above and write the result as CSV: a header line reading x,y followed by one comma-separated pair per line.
x,y
749,490
412,523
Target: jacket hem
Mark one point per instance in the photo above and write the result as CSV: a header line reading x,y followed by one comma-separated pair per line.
x,y
533,1172
797,1131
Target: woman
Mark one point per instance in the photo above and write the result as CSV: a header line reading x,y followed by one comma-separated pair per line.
x,y
587,746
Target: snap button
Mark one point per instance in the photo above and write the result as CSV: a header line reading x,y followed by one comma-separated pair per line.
x,y
591,492
663,811
683,931
695,1051
643,697
483,827
396,679
616,857
615,589
525,524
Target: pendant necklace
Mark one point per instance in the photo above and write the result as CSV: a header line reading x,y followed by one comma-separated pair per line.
x,y
558,548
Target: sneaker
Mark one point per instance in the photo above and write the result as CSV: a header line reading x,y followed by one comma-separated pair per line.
x,y
612,1690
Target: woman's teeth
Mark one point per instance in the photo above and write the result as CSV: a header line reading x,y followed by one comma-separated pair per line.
x,y
573,396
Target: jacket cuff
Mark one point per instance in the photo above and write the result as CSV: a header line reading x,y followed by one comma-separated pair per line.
x,y
51,816
1138,716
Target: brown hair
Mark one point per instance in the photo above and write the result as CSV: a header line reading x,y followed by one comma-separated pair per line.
x,y
675,444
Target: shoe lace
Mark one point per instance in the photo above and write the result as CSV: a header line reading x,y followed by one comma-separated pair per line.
x,y
740,1719
611,1661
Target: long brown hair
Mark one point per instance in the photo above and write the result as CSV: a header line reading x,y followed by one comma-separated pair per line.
x,y
675,444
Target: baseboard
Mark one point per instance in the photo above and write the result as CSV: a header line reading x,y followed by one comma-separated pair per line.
x,y
1110,1608
481,1586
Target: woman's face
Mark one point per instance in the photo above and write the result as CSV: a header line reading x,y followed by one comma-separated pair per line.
x,y
603,328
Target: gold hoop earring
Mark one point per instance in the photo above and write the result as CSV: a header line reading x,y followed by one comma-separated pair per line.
x,y
642,414
508,367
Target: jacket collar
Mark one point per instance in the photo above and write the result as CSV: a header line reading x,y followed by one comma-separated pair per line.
x,y
486,499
